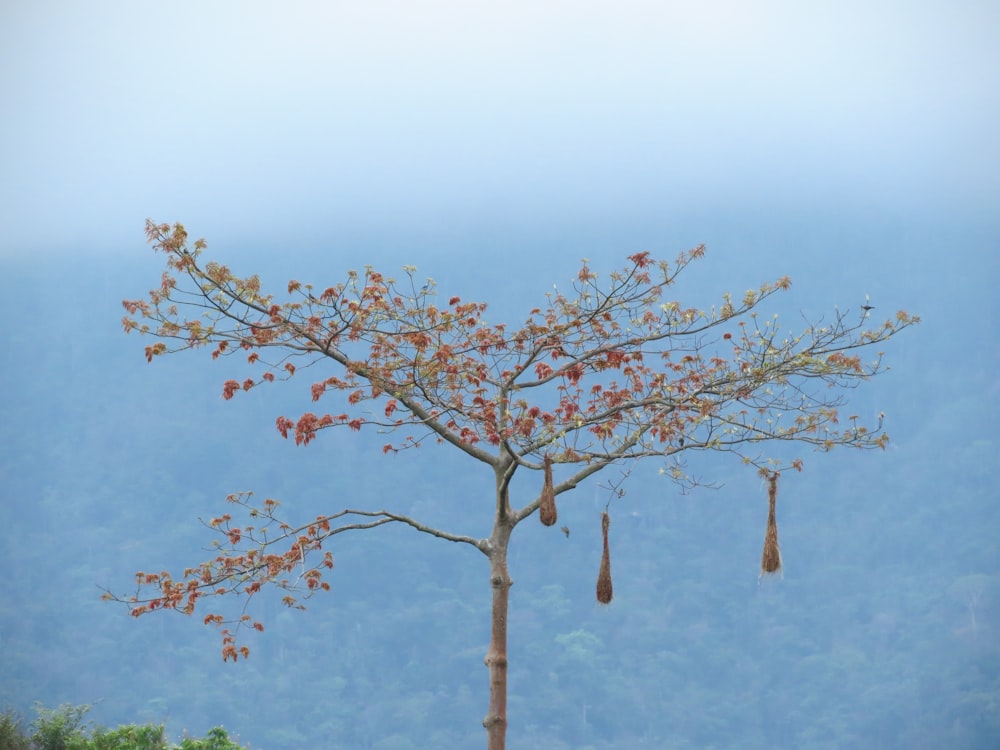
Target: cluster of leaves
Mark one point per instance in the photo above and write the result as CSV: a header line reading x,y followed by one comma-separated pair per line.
x,y
246,561
243,572
612,372
445,369
64,728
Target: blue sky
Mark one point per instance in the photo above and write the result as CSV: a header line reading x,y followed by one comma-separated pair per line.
x,y
442,122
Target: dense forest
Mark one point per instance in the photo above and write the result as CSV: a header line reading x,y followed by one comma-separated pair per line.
x,y
881,633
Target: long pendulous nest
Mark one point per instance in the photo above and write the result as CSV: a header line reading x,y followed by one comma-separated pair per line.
x,y
605,590
770,559
547,504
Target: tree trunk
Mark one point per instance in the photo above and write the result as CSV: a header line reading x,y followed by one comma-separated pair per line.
x,y
496,658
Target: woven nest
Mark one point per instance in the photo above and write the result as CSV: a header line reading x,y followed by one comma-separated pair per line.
x,y
547,504
770,559
605,590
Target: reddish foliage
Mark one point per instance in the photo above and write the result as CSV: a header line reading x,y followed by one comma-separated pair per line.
x,y
610,372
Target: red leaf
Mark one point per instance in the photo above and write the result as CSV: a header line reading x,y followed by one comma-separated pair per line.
x,y
542,370
640,259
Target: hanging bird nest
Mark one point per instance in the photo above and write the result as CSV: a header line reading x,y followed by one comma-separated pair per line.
x,y
770,559
547,504
605,591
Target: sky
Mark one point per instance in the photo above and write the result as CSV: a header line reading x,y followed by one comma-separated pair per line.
x,y
441,124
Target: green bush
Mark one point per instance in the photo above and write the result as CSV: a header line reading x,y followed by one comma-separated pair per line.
x,y
130,737
63,728
59,728
12,732
216,739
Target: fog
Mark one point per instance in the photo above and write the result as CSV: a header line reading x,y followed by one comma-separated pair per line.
x,y
437,121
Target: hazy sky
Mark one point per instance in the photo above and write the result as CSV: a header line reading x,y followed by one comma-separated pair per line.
x,y
447,119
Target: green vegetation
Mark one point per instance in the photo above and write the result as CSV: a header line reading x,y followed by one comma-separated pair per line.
x,y
64,728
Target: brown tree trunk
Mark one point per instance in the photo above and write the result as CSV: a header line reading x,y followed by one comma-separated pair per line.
x,y
496,658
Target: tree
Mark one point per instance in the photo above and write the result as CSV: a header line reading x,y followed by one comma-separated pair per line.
x,y
610,373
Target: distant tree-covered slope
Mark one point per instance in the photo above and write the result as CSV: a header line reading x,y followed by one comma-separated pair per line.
x,y
882,633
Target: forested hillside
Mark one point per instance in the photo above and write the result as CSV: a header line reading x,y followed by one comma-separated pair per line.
x,y
882,632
